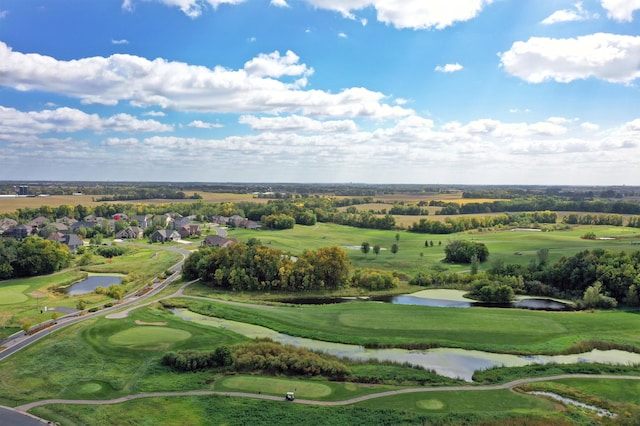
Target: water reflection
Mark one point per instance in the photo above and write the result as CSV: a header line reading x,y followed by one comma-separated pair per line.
x,y
448,362
91,283
409,299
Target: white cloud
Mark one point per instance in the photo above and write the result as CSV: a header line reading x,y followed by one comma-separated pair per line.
x,y
202,125
621,10
448,68
609,57
191,8
180,86
590,127
69,120
122,41
414,14
296,123
154,114
343,35
577,13
279,3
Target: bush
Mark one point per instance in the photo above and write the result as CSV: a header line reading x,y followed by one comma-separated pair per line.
x,y
373,280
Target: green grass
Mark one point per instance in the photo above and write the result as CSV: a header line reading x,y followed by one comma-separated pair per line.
x,y
499,408
148,337
493,330
23,299
276,386
613,390
70,362
11,295
502,244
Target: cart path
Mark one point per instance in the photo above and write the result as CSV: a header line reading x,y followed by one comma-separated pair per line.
x,y
509,385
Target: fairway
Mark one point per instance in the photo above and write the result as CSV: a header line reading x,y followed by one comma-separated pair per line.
x,y
148,336
13,294
268,385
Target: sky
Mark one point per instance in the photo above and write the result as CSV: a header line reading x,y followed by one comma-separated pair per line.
x,y
487,92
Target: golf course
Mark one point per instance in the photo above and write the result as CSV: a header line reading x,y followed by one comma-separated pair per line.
x,y
359,357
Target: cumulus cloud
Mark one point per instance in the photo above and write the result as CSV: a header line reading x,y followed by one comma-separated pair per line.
x,y
609,57
279,3
343,35
121,41
191,8
180,86
69,120
296,123
577,13
621,10
203,125
154,114
414,14
449,68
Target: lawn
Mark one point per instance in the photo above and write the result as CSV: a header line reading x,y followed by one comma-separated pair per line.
x,y
106,358
487,329
412,257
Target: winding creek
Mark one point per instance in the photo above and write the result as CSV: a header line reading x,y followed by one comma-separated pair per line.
x,y
449,362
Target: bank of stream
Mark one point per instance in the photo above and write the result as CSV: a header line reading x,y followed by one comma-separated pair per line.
x,y
448,362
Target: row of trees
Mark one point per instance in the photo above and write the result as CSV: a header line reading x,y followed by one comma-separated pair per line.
x,y
254,266
465,223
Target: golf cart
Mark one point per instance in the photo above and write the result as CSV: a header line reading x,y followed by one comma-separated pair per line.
x,y
290,396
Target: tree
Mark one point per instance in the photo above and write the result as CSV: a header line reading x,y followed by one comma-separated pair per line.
x,y
365,247
474,264
376,249
82,304
397,237
543,256
394,248
462,251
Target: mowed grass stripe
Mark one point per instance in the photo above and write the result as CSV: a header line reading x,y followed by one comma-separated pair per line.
x,y
494,330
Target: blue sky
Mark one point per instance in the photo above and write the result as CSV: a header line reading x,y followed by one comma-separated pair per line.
x,y
370,91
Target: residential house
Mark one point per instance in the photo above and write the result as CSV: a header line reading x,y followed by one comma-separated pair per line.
x,y
120,216
164,220
6,223
249,224
18,232
72,241
37,223
143,221
181,222
131,232
165,235
82,224
60,227
190,231
217,241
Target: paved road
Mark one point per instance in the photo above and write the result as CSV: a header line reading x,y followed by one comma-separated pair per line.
x,y
508,385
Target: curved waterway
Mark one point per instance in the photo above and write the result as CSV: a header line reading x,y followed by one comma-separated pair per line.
x,y
441,298
448,362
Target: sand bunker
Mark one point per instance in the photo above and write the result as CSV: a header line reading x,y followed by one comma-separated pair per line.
x,y
138,322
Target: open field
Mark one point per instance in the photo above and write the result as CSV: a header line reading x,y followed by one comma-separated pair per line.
x,y
412,257
487,329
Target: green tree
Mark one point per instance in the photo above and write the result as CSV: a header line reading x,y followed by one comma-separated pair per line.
x,y
365,247
475,263
376,249
394,248
543,256
397,237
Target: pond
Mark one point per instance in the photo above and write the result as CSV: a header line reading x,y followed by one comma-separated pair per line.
x,y
91,283
443,298
448,362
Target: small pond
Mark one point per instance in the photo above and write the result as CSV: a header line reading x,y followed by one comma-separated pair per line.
x,y
91,283
448,362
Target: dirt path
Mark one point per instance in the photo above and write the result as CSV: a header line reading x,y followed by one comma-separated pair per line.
x,y
509,385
